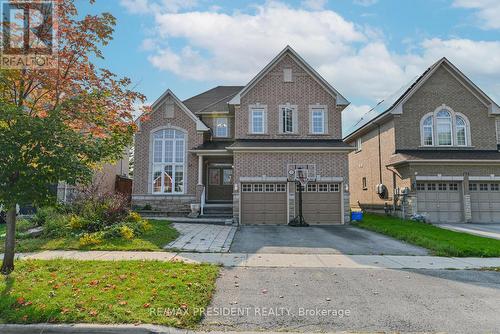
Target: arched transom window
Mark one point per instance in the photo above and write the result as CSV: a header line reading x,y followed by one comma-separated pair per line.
x,y
168,162
444,127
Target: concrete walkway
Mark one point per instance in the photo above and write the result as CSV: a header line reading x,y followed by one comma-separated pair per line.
x,y
279,260
205,238
491,230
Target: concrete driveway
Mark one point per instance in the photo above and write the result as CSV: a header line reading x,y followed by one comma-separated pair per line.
x,y
490,230
343,239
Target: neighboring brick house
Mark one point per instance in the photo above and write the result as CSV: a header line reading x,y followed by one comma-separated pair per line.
x,y
436,138
233,147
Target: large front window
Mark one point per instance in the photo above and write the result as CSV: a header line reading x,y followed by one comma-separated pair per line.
x,y
168,162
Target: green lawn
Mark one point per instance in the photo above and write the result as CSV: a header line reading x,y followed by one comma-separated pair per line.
x,y
2,230
161,234
105,292
439,241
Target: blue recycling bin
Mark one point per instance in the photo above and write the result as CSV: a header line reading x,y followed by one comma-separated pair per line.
x,y
357,216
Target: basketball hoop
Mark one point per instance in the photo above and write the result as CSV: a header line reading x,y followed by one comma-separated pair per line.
x,y
302,176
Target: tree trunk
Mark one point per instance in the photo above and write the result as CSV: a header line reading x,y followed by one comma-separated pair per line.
x,y
10,242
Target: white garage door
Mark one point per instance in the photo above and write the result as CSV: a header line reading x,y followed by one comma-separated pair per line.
x,y
441,202
485,202
321,203
263,203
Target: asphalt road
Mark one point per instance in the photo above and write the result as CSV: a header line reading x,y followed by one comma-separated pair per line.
x,y
342,239
453,301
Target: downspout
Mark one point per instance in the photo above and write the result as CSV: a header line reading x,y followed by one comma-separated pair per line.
x,y
379,155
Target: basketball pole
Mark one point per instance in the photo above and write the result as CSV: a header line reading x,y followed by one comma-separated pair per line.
x,y
299,220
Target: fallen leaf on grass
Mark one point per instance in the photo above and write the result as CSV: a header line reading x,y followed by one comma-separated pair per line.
x,y
146,305
93,313
122,302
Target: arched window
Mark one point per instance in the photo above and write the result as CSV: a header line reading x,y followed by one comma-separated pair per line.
x,y
444,128
461,131
428,131
168,162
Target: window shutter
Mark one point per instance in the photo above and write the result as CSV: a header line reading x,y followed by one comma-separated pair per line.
x,y
265,120
295,119
280,119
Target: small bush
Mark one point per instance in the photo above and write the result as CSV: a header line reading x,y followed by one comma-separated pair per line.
x,y
23,225
43,214
89,239
126,232
57,225
147,207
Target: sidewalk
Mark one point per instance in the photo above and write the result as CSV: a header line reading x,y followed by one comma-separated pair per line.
x,y
279,260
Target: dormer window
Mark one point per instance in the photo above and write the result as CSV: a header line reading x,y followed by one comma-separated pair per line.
x,y
221,128
444,128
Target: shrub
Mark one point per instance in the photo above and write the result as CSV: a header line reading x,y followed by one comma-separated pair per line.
x,y
57,225
44,214
89,239
147,207
126,232
23,225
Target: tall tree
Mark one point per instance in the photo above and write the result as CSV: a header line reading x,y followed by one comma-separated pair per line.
x,y
57,124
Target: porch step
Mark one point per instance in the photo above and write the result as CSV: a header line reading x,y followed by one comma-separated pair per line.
x,y
222,210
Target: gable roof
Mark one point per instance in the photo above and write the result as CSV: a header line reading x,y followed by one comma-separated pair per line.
x,y
394,103
200,126
212,100
341,100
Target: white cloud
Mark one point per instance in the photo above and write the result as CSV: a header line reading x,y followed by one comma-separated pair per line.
x,y
314,4
365,3
488,11
230,48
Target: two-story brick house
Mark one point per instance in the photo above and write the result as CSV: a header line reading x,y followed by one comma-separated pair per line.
x,y
235,146
438,139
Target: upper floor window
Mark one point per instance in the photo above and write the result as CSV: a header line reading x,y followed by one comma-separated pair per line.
x,y
318,121
258,120
358,144
444,127
288,119
168,162
221,127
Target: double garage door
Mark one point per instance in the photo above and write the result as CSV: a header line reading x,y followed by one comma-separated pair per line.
x,y
485,202
441,202
266,203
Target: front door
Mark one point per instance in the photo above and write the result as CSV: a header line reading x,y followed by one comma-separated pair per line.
x,y
220,184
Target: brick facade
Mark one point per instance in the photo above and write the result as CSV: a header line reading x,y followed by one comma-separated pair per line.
x,y
442,88
402,132
303,92
141,190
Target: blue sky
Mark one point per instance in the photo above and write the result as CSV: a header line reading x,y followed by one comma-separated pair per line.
x,y
366,49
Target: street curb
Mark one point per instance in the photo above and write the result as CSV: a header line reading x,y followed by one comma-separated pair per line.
x,y
88,329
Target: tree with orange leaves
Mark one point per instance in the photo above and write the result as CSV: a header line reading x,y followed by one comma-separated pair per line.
x,y
59,123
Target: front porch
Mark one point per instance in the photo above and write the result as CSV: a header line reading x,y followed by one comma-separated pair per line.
x,y
215,180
